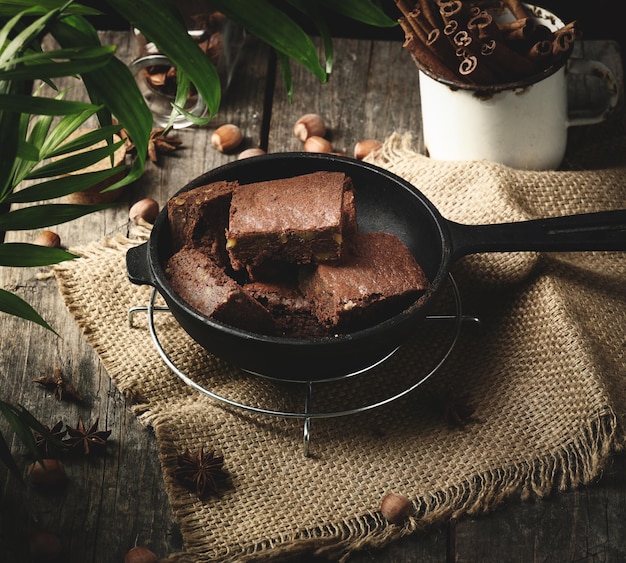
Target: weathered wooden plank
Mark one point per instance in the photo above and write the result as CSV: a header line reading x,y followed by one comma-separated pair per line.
x,y
372,92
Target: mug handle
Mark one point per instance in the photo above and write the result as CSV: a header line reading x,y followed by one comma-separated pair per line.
x,y
601,71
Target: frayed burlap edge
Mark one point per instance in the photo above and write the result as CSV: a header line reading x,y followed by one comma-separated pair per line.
x,y
575,464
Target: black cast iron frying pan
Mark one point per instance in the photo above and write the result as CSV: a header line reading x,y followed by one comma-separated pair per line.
x,y
384,202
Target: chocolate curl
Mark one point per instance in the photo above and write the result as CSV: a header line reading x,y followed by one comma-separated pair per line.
x,y
517,9
506,63
423,53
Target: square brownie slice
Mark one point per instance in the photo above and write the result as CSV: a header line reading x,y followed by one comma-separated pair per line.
x,y
199,217
378,279
301,219
203,284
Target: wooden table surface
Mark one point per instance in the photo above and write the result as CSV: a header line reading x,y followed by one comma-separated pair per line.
x,y
117,501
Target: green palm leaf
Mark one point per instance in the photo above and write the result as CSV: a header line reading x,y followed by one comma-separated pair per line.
x,y
7,458
17,103
65,185
14,305
275,28
10,8
114,87
365,11
22,422
45,215
46,65
75,161
25,255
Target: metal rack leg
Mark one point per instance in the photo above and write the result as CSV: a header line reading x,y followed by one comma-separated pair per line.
x,y
306,440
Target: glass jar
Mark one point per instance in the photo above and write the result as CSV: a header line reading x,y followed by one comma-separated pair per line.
x,y
220,39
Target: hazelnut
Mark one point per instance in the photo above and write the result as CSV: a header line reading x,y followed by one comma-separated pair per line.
x,y
48,238
226,137
317,144
45,546
396,508
48,474
145,209
363,148
140,554
255,151
309,125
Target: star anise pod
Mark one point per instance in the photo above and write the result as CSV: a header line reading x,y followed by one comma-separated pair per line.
x,y
458,411
201,472
160,142
50,445
62,390
88,440
157,143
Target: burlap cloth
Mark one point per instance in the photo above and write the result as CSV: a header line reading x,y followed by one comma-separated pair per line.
x,y
543,373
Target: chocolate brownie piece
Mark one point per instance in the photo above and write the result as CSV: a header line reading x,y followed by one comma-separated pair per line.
x,y
203,284
378,279
290,310
199,218
301,219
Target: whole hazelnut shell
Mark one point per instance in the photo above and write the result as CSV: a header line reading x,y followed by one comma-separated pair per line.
x,y
145,209
309,125
317,144
254,151
226,137
363,148
140,554
45,546
49,473
48,238
396,508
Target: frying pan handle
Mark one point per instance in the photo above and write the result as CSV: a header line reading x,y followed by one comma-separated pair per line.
x,y
605,230
138,265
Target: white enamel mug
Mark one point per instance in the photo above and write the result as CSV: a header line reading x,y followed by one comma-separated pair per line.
x,y
523,125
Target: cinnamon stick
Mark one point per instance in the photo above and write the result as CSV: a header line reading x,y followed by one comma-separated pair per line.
x,y
541,52
503,60
517,8
564,39
405,6
431,13
422,53
458,39
440,58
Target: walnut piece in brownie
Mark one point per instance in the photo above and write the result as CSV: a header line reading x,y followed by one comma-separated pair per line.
x,y
377,280
302,219
199,217
205,286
